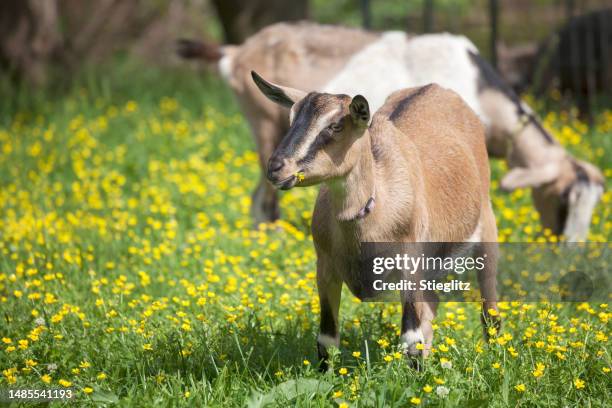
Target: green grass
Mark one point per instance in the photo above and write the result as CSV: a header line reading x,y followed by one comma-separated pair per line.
x,y
125,227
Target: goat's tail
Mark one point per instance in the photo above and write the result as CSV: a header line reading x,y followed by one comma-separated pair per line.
x,y
194,49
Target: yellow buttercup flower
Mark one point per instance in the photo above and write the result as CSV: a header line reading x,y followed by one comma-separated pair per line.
x,y
579,384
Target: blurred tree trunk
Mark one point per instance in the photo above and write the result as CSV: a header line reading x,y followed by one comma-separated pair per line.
x,y
366,14
241,18
36,35
494,22
569,9
428,16
29,37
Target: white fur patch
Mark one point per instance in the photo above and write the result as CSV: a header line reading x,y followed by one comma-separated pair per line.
x,y
328,341
444,59
395,62
225,67
412,337
582,201
476,235
375,71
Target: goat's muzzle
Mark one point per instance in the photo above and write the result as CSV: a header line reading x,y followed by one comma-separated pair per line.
x,y
279,174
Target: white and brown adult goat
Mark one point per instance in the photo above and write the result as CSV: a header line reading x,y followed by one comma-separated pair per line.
x,y
337,59
418,173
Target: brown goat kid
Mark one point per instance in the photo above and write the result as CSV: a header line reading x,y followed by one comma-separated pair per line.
x,y
418,173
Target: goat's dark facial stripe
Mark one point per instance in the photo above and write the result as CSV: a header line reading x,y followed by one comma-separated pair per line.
x,y
299,128
305,136
581,174
325,137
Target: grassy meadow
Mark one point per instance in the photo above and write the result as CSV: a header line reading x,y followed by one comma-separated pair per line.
x,y
130,272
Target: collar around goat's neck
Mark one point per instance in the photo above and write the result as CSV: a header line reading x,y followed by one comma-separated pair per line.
x,y
346,215
367,208
351,195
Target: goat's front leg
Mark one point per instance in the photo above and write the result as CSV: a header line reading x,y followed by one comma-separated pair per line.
x,y
330,291
418,311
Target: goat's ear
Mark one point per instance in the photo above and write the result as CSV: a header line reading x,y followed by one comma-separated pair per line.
x,y
282,95
360,110
521,177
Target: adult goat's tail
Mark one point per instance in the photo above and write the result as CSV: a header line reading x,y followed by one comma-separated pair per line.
x,y
193,49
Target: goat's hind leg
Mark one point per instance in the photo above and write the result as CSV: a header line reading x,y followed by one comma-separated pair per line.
x,y
487,280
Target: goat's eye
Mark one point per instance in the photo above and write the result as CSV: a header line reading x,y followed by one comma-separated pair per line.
x,y
336,127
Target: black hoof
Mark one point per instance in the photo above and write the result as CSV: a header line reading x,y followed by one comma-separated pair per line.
x,y
489,322
323,356
415,360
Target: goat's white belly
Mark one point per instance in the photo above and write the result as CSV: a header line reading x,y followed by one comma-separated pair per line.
x,y
395,62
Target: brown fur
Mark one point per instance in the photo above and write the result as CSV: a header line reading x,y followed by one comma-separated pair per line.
x,y
430,180
431,184
422,194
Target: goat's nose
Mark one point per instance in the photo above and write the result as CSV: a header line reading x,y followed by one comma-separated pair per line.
x,y
275,164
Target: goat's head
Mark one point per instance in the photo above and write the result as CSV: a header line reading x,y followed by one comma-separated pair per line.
x,y
323,129
565,192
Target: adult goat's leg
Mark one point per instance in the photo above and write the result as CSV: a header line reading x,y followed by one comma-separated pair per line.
x,y
330,291
487,276
418,311
264,200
